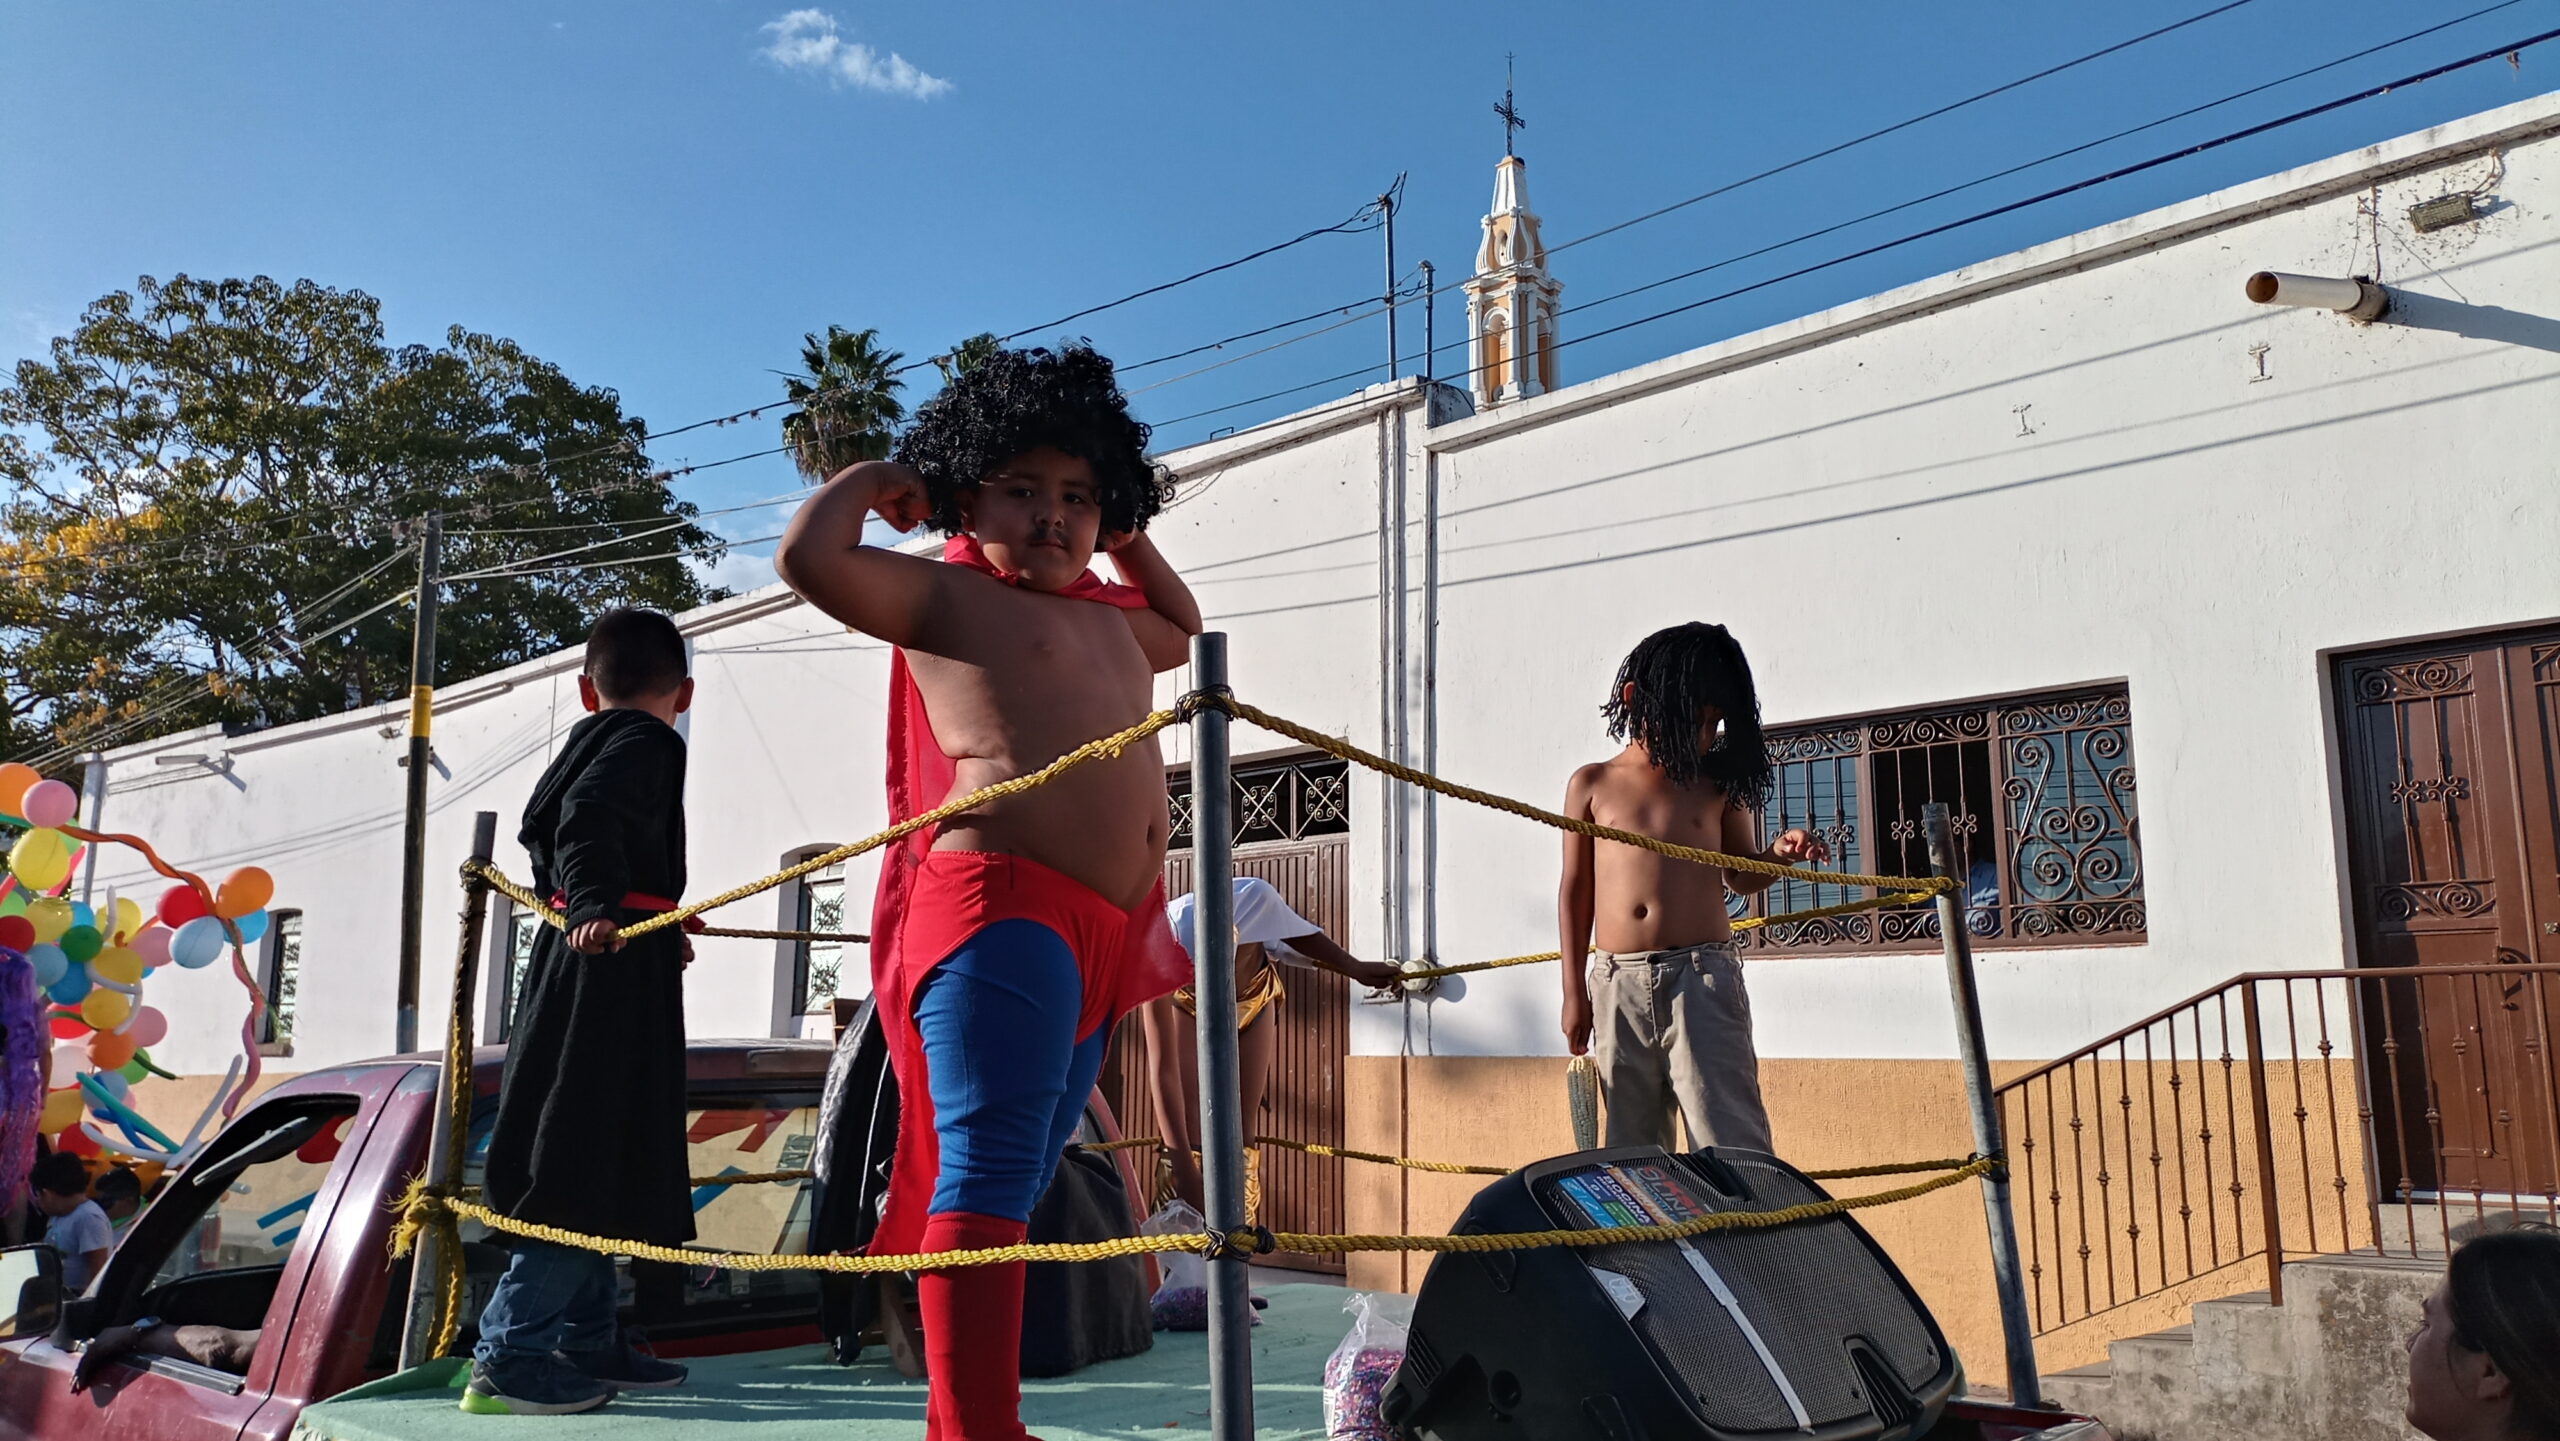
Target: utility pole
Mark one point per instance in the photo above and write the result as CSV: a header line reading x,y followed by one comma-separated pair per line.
x,y
1387,209
1430,310
422,704
93,780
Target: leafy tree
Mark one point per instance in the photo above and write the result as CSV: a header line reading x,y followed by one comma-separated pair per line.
x,y
847,391
964,357
207,480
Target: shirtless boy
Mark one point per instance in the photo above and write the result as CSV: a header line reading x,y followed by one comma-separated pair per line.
x,y
1662,1003
1006,942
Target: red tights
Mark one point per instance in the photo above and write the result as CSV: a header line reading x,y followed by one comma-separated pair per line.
x,y
972,1333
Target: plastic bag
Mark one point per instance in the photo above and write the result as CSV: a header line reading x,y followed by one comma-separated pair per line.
x,y
1181,1302
1355,1377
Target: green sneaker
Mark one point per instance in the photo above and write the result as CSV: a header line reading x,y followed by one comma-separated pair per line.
x,y
531,1386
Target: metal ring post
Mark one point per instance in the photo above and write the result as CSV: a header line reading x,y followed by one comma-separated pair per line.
x,y
444,1168
1213,962
2017,1330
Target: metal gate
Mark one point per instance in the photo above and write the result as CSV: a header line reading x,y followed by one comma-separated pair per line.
x,y
1292,823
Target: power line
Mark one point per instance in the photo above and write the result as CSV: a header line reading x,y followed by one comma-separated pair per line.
x,y
2496,53
2041,160
1282,325
158,702
1949,108
1374,311
1366,218
688,553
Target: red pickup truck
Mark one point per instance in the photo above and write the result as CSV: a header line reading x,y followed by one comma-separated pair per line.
x,y
282,1226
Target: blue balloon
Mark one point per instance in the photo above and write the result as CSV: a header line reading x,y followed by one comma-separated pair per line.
x,y
198,943
50,963
82,915
74,983
252,926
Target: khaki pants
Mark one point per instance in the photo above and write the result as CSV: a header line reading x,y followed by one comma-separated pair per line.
x,y
1673,1028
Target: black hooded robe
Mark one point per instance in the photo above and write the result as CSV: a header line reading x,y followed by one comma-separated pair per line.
x,y
590,1133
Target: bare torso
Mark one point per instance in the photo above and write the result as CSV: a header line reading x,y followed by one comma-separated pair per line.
x,y
1648,902
1053,674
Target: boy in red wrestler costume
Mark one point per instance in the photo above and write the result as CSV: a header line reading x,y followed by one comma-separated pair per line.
x,y
1006,941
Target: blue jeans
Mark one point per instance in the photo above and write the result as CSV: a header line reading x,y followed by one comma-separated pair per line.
x,y
1009,1076
551,1298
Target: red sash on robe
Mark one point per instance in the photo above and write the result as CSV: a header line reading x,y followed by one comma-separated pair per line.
x,y
920,777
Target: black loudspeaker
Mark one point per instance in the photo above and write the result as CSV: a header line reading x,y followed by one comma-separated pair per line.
x,y
1805,1330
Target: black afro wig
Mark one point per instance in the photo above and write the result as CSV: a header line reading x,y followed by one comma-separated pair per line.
x,y
1019,400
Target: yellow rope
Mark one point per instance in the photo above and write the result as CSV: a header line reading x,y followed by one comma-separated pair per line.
x,y
742,933
1108,746
1925,885
755,1178
1452,1168
1870,903
1907,888
422,1209
1446,1168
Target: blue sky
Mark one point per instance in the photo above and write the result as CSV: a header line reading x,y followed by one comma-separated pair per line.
x,y
662,197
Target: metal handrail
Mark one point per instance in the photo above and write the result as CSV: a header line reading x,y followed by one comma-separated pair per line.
x,y
2246,977
2135,1155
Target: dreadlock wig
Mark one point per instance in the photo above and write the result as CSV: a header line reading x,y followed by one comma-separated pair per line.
x,y
1020,400
1676,672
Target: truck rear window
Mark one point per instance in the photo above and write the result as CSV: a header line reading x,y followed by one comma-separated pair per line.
x,y
731,1135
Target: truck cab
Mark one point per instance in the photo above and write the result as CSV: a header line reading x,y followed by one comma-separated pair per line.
x,y
282,1227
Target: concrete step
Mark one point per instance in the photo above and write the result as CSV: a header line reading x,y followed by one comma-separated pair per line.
x,y
2328,1363
2088,1390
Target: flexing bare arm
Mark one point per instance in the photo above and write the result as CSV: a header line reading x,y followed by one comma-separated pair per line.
x,y
1172,617
902,599
1574,906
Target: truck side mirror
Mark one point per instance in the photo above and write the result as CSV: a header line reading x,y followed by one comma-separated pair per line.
x,y
31,1290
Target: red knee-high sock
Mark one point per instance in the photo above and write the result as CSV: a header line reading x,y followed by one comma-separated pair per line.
x,y
972,1333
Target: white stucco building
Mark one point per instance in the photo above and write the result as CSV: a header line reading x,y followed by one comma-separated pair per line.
x,y
2085,494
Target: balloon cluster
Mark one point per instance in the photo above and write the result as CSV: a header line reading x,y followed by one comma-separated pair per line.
x,y
90,963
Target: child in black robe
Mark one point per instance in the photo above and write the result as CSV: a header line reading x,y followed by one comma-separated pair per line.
x,y
590,1133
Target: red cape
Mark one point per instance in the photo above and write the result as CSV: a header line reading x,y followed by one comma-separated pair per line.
x,y
920,777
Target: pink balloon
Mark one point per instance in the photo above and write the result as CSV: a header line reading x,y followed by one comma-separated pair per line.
x,y
152,944
147,1028
50,804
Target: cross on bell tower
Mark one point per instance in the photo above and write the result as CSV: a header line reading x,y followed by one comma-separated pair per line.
x,y
1511,300
1509,112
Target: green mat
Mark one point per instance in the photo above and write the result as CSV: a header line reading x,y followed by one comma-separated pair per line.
x,y
787,1395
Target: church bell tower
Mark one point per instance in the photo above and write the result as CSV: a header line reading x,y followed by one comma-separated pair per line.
x,y
1511,300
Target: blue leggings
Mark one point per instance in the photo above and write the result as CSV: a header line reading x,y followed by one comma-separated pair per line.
x,y
1008,1075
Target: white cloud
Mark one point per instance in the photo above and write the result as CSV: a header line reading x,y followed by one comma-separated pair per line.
x,y
738,571
808,40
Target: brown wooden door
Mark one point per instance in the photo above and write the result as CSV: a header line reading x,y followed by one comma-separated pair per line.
x,y
2450,753
1305,1099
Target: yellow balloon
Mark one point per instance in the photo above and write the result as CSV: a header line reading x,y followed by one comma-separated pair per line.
x,y
51,916
61,1110
128,920
41,858
119,965
106,1009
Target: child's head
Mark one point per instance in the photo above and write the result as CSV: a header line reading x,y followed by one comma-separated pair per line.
x,y
635,661
60,1183
1685,695
1035,454
118,1193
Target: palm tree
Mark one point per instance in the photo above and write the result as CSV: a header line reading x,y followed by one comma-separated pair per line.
x,y
965,356
849,409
